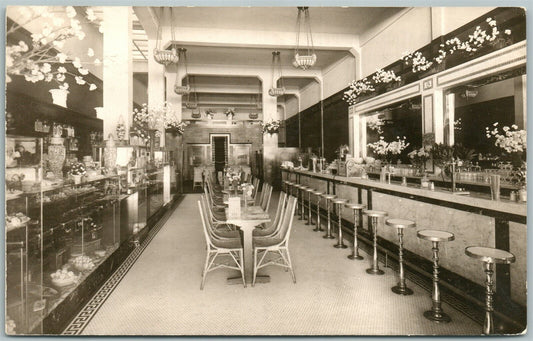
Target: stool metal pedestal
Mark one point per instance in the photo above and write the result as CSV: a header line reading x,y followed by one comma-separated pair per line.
x,y
302,206
309,191
319,196
400,224
489,256
435,236
340,242
375,270
328,198
355,207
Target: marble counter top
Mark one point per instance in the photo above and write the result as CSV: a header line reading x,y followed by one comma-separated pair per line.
x,y
474,200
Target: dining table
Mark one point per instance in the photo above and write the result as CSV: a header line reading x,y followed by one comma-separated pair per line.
x,y
250,217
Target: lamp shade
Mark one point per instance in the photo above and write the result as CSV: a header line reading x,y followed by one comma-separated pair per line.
x,y
304,62
166,57
275,92
182,90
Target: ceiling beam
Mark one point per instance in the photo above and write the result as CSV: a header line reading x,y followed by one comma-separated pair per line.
x,y
148,20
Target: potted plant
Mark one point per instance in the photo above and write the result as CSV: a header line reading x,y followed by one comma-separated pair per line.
x,y
442,155
230,112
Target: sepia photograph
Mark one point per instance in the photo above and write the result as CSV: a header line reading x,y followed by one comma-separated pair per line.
x,y
261,170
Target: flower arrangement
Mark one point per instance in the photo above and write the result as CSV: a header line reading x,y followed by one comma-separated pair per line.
x,y
375,123
419,157
387,150
382,76
77,169
271,127
479,38
247,189
209,113
417,60
43,60
357,88
230,112
176,127
511,140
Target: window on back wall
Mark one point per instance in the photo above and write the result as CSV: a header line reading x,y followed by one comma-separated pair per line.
x,y
398,120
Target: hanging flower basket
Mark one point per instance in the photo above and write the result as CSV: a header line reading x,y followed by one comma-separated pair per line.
x,y
196,114
304,62
275,92
176,128
182,90
271,127
166,57
191,105
253,115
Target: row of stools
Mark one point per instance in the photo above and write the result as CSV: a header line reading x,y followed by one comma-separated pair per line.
x,y
489,256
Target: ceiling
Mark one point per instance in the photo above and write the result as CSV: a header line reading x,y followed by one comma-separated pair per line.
x,y
229,91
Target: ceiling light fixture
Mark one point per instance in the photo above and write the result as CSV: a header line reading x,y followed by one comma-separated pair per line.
x,y
162,56
308,60
276,66
182,89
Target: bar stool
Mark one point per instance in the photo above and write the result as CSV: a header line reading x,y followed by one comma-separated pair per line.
x,y
489,256
297,188
309,191
318,196
356,209
375,215
400,224
302,190
435,236
340,242
328,198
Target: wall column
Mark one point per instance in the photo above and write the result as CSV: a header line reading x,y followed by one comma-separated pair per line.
x,y
156,83
117,68
270,141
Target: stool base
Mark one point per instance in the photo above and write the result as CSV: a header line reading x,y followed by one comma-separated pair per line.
x,y
402,291
373,271
353,257
329,237
340,246
437,317
317,229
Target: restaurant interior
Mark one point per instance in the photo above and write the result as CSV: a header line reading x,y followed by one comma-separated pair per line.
x,y
265,170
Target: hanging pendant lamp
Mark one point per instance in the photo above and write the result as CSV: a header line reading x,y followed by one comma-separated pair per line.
x,y
182,89
307,60
191,101
162,56
276,64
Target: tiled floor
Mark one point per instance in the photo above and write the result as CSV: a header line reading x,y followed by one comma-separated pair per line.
x,y
161,295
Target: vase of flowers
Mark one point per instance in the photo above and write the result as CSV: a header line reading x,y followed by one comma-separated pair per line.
x,y
77,170
419,157
343,151
388,151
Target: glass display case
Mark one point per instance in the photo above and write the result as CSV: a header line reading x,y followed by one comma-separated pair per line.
x,y
57,234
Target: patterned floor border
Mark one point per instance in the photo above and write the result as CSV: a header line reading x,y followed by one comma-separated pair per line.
x,y
82,319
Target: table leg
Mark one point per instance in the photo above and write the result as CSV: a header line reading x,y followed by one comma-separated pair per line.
x,y
247,236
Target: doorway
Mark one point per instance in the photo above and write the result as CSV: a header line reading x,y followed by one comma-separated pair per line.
x,y
220,147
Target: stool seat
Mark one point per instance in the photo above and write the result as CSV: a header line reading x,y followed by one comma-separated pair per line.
x,y
375,213
303,187
298,186
354,206
287,182
339,201
318,193
400,223
435,235
329,196
309,190
489,254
